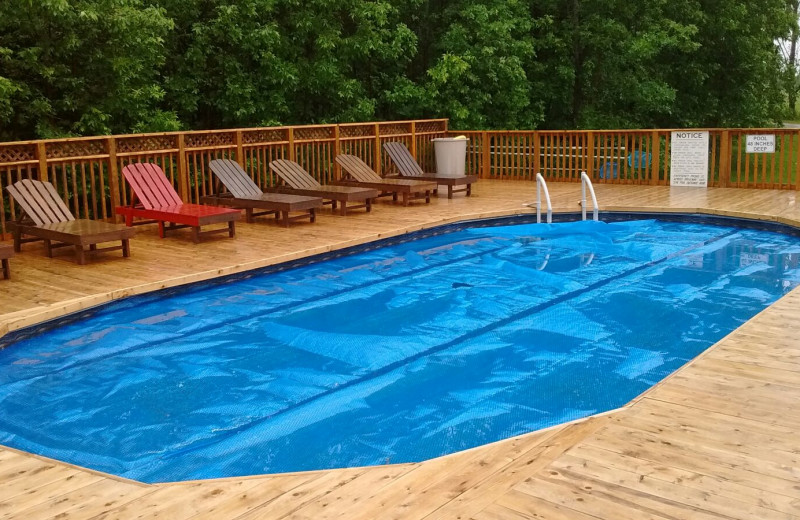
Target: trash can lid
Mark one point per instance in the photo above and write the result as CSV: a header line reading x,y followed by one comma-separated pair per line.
x,y
451,139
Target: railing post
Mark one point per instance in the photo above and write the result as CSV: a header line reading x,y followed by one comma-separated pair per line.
x,y
183,169
537,150
337,149
414,139
113,178
240,149
291,144
724,159
486,159
41,154
377,153
590,155
797,163
655,160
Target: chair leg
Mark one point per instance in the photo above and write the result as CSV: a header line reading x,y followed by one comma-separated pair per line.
x,y
405,198
6,269
313,212
394,196
343,210
17,240
161,229
285,217
80,255
232,228
129,220
196,234
126,248
48,249
369,205
449,191
469,190
427,196
248,215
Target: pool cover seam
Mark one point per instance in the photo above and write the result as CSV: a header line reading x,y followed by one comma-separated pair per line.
x,y
443,346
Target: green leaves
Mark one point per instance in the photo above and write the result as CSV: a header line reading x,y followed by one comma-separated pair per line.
x,y
99,66
80,67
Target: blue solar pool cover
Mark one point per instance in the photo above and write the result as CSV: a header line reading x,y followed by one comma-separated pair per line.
x,y
394,355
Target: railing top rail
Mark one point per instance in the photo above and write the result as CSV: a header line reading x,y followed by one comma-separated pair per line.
x,y
629,130
217,131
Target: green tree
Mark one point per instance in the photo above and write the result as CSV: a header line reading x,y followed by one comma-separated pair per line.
x,y
478,78
734,77
259,62
80,67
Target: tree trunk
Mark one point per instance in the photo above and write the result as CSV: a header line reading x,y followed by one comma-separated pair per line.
x,y
577,57
792,60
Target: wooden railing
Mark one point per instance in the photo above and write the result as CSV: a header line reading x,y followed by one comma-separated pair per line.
x,y
630,156
85,170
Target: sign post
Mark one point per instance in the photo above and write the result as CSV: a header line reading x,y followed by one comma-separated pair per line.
x,y
689,159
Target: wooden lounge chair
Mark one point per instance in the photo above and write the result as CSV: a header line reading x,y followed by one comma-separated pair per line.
x,y
358,173
6,252
155,199
45,217
408,167
243,193
301,183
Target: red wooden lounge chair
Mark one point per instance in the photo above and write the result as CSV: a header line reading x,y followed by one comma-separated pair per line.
x,y
6,252
358,173
45,217
408,167
155,199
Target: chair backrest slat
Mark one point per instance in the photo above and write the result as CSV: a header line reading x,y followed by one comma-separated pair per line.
x,y
294,175
235,179
357,169
403,159
40,201
151,186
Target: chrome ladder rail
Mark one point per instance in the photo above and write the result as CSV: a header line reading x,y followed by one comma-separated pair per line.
x,y
540,183
584,181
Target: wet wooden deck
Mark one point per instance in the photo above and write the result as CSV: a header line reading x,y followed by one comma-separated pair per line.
x,y
718,439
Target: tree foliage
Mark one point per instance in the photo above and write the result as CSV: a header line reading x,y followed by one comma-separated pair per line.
x,y
72,67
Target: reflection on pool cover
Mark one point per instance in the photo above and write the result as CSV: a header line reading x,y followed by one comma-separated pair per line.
x,y
394,355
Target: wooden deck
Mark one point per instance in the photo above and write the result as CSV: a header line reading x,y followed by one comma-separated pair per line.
x,y
718,439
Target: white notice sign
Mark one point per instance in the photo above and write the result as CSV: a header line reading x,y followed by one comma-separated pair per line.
x,y
689,159
761,143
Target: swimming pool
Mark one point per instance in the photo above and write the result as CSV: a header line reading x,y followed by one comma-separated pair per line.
x,y
393,355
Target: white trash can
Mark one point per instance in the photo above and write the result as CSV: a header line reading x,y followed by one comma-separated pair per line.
x,y
451,156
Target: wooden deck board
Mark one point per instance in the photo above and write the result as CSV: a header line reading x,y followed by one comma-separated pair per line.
x,y
718,439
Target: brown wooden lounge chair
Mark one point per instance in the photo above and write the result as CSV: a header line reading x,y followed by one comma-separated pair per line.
x,y
156,200
6,252
358,173
245,194
45,217
408,167
301,183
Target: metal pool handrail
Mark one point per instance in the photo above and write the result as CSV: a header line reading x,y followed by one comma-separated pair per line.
x,y
541,183
584,181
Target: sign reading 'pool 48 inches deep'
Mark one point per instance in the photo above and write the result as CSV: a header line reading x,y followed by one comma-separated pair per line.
x,y
689,159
